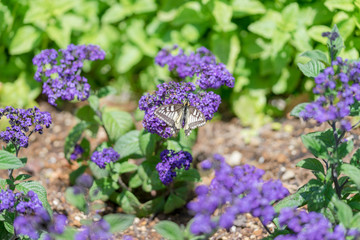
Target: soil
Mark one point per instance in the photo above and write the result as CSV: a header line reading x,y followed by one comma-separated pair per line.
x,y
276,148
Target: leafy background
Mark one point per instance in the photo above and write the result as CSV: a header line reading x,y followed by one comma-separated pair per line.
x,y
259,41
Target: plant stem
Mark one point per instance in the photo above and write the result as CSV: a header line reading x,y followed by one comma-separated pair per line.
x,y
123,185
335,180
266,228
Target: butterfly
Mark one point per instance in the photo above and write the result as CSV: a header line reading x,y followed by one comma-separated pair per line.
x,y
178,116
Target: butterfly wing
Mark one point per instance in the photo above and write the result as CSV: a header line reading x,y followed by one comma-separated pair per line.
x,y
172,115
194,119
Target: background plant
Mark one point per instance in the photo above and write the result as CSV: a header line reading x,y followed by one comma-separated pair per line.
x,y
265,39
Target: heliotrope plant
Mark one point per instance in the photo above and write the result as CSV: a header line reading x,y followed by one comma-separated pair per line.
x,y
59,71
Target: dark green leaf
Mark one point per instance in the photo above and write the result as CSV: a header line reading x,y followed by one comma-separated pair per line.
x,y
316,144
9,221
119,222
311,164
311,68
191,175
135,181
77,200
298,109
355,160
9,161
3,232
128,145
355,221
105,91
345,148
173,202
73,137
128,202
169,230
22,177
76,173
152,206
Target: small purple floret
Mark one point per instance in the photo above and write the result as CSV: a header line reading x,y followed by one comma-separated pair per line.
x,y
107,155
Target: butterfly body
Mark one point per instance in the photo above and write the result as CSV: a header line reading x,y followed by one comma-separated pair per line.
x,y
178,116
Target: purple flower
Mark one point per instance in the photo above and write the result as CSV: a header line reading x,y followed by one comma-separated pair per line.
x,y
175,93
107,155
33,225
60,71
99,230
201,63
234,191
7,200
310,226
83,183
78,151
28,203
338,89
23,122
171,160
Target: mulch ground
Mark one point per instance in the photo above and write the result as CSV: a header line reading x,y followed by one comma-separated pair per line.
x,y
276,149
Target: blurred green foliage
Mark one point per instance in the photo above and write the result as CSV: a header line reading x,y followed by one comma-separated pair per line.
x,y
260,41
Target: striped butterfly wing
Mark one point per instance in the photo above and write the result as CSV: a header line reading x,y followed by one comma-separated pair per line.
x,y
172,115
194,119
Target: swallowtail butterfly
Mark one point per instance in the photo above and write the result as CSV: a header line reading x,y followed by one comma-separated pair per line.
x,y
178,115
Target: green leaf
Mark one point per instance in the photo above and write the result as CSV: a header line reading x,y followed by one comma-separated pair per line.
x,y
130,56
76,173
3,232
102,189
338,44
77,200
38,189
119,222
22,177
115,13
352,172
105,91
127,167
152,206
311,164
69,233
147,143
24,40
128,202
316,31
73,137
346,5
345,148
191,175
317,142
242,8
267,25
9,222
128,145
344,213
59,34
355,221
98,172
298,109
9,161
355,159
311,68
135,181
173,202
94,102
117,123
316,55
169,230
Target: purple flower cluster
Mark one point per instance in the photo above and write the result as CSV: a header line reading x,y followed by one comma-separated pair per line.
x,y
201,63
311,226
170,160
107,155
338,88
236,191
78,151
83,183
23,122
61,71
22,203
32,225
175,93
99,230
